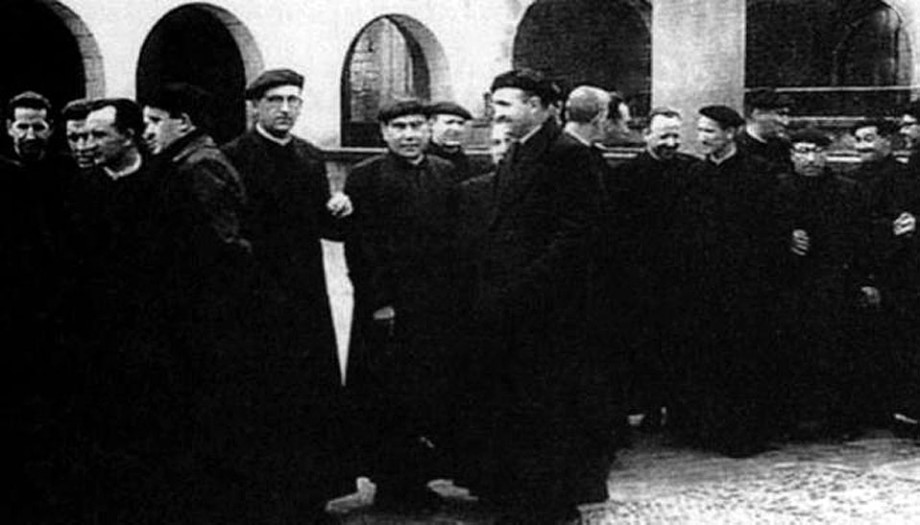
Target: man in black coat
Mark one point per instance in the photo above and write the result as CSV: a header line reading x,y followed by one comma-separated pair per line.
x,y
738,243
449,129
296,383
887,266
401,255
526,370
820,217
764,135
646,228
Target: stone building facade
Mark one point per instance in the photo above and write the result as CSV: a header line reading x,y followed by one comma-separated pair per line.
x,y
838,58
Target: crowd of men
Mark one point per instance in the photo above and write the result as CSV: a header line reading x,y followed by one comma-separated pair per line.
x,y
172,353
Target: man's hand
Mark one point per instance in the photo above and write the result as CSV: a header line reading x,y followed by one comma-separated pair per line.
x,y
800,242
904,224
339,205
871,296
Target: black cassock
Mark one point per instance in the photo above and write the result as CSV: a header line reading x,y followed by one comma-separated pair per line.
x,y
401,252
291,375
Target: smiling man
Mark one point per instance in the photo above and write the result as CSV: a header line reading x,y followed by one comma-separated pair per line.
x,y
401,255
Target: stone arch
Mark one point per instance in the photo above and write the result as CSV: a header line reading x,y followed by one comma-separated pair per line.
x,y
393,56
834,58
208,46
606,43
66,65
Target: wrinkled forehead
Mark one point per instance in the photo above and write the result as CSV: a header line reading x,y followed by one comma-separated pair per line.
x,y
664,124
101,118
75,125
29,115
282,91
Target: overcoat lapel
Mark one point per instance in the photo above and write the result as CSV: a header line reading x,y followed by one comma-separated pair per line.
x,y
517,176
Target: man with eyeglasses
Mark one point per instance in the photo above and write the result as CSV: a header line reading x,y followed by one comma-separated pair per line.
x,y
819,214
298,387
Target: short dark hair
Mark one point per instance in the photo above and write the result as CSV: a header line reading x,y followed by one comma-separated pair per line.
x,y
177,98
30,100
765,99
531,82
884,126
613,107
128,116
78,109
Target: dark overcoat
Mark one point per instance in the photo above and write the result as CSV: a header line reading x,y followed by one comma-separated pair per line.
x,y
529,362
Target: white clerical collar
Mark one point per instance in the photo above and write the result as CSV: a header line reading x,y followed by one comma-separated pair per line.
x,y
754,135
731,153
283,142
130,170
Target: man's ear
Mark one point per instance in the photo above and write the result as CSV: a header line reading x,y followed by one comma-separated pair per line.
x,y
185,123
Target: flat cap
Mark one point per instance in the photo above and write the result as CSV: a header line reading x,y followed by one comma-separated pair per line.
x,y
401,108
767,98
180,97
449,108
528,80
724,115
810,135
273,78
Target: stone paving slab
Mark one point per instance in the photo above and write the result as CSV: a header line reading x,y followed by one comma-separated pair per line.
x,y
874,480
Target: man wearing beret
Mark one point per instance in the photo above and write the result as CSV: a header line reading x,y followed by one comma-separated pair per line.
x,y
449,122
888,265
820,216
764,135
530,436
401,254
297,448
732,214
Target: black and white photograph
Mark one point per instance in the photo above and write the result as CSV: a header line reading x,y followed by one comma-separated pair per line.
x,y
460,262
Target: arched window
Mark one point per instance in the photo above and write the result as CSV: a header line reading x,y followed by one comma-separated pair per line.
x,y
393,57
833,57
606,43
207,46
46,47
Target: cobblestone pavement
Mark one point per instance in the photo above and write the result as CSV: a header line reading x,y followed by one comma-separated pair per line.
x,y
874,479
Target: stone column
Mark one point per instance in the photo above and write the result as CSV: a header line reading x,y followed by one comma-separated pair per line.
x,y
698,49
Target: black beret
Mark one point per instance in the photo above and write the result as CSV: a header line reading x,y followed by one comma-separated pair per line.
x,y
402,108
884,126
811,136
449,108
273,78
724,115
767,98
530,81
180,97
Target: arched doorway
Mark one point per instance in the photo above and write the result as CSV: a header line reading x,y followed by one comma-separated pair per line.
x,y
833,57
46,47
393,57
207,46
606,43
